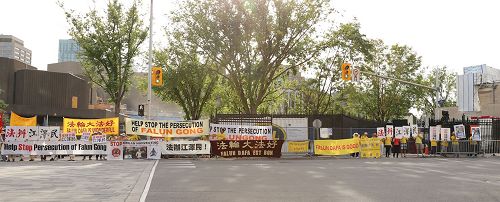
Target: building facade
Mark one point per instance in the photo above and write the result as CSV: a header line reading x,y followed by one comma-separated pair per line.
x,y
68,50
13,48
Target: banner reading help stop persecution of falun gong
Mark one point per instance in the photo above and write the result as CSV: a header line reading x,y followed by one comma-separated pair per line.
x,y
153,128
108,126
336,147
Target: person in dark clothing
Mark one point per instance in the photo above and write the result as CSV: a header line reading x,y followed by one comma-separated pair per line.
x,y
396,147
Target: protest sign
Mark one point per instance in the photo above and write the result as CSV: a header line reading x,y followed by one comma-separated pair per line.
x,y
432,133
399,132
459,131
407,131
298,147
414,130
445,134
115,150
53,148
167,128
381,132
370,148
389,131
98,138
247,148
336,147
68,137
141,149
85,136
240,132
475,132
185,147
107,126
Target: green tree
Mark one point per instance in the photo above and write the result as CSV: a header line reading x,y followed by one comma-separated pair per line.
x,y
446,90
253,43
381,99
188,81
109,43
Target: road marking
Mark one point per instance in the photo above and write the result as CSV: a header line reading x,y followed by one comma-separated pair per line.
x,y
148,184
179,164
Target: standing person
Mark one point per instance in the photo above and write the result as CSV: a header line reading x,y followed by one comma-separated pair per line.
x,y
454,145
387,145
418,144
404,146
444,147
356,138
433,147
396,147
473,146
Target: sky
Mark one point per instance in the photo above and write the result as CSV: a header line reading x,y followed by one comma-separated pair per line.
x,y
453,33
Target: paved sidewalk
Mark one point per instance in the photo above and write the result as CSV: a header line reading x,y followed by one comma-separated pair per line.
x,y
74,181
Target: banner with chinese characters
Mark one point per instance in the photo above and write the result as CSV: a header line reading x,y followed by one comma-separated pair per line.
x,y
185,147
298,147
32,133
370,148
381,132
16,120
240,132
247,148
107,126
53,148
336,147
152,128
68,137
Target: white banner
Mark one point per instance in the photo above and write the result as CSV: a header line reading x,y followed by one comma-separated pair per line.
x,y
186,147
32,133
167,128
240,132
295,128
53,148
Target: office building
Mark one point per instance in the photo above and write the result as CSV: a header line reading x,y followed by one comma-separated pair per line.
x,y
68,50
13,48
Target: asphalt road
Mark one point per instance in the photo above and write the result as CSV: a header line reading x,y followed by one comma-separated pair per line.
x,y
328,179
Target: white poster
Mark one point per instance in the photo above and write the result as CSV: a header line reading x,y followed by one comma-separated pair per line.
x,y
185,147
399,132
438,133
459,131
296,129
414,130
154,152
68,137
115,150
475,132
381,132
445,134
98,138
85,137
325,132
407,131
432,133
240,132
389,131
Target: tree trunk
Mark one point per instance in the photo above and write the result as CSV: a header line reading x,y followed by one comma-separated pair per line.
x,y
117,109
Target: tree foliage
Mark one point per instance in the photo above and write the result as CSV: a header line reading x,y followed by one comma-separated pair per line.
x,y
188,81
109,43
252,42
446,90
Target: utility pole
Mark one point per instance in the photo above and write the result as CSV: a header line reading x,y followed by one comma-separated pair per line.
x,y
150,65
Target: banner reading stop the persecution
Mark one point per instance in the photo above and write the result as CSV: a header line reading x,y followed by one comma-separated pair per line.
x,y
240,132
152,128
107,126
336,147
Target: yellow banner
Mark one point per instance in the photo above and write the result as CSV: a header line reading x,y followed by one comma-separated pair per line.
x,y
107,126
16,120
298,146
370,148
336,147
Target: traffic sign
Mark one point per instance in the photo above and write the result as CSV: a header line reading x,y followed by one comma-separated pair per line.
x,y
356,75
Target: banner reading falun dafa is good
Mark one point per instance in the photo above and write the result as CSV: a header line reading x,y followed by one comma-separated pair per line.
x,y
108,126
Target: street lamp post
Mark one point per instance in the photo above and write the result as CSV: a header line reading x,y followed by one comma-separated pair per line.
x,y
150,65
